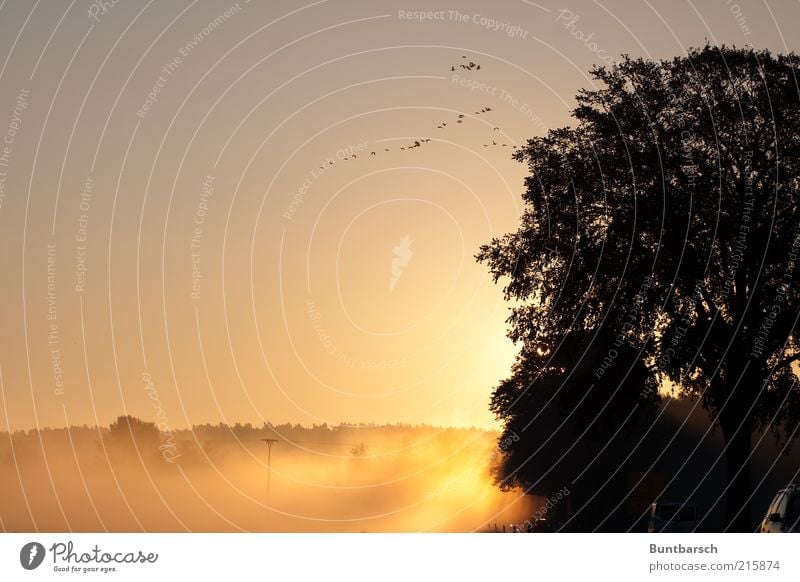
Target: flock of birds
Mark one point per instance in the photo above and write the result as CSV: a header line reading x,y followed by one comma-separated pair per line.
x,y
469,66
417,143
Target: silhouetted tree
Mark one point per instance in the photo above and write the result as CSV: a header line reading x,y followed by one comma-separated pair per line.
x,y
127,432
665,221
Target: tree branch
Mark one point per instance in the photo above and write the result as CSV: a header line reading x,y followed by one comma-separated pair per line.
x,y
788,360
709,301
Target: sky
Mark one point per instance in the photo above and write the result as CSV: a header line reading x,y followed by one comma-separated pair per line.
x,y
194,227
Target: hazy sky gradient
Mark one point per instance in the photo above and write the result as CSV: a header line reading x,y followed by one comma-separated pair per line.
x,y
295,316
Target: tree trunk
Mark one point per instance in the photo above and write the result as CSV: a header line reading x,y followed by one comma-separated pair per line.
x,y
737,429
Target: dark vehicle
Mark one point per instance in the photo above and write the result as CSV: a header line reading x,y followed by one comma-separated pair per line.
x,y
783,514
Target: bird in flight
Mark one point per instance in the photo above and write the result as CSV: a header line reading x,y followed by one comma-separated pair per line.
x,y
469,66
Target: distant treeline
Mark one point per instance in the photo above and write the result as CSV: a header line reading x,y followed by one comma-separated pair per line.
x,y
130,476
129,433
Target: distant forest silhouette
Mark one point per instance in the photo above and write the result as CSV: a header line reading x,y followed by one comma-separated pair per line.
x,y
129,476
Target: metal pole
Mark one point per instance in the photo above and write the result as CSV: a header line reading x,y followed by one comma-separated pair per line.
x,y
269,442
269,468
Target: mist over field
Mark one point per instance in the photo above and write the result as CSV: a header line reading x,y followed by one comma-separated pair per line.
x,y
131,477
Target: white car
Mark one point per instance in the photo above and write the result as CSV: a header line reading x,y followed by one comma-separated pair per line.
x,y
672,517
783,514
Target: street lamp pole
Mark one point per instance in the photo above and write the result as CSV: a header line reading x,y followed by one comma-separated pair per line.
x,y
269,442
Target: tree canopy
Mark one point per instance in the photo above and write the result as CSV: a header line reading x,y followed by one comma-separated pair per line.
x,y
659,242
